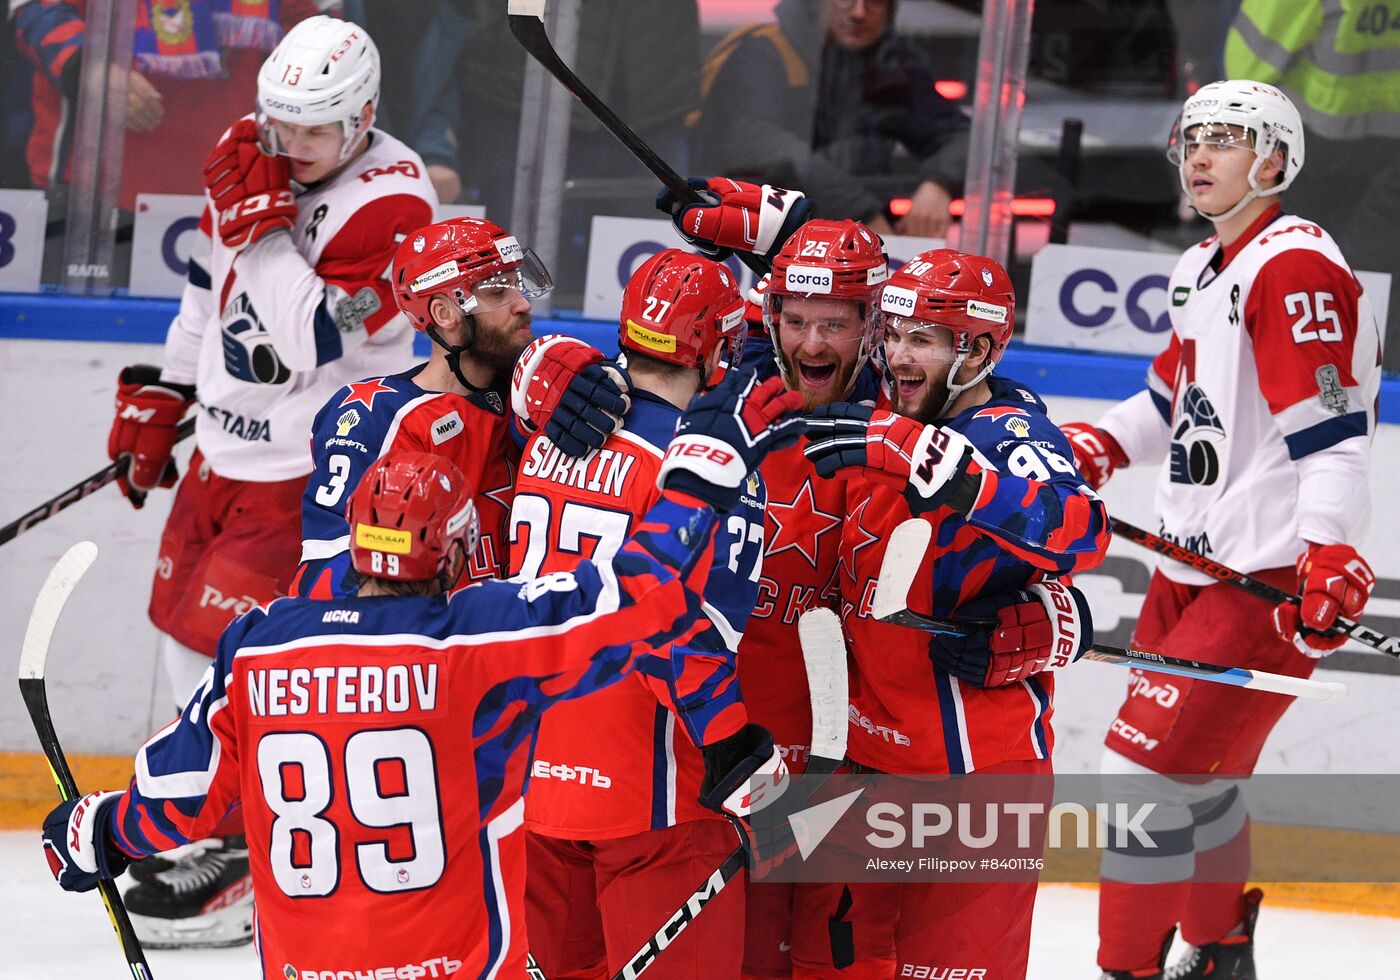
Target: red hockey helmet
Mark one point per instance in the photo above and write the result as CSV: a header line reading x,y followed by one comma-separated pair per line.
x,y
823,259
969,295
405,515
471,261
679,307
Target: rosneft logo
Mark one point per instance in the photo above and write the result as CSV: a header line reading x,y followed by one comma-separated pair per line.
x,y
435,275
808,279
986,311
347,421
650,339
386,539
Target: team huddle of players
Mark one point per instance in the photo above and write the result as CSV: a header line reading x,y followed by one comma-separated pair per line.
x,y
526,565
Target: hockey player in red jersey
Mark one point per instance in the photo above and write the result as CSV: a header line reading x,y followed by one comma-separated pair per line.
x,y
288,298
616,830
467,284
974,454
1263,409
379,743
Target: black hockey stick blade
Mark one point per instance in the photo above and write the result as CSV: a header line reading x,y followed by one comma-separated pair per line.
x,y
83,488
906,550
1223,573
824,656
33,657
527,24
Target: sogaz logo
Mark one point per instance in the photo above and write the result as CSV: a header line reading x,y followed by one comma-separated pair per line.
x,y
1091,297
808,279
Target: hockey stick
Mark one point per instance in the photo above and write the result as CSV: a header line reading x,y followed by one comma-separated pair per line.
x,y
47,607
824,656
891,605
1209,566
527,24
77,492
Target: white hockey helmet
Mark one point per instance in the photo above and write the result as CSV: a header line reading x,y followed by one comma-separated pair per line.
x,y
1271,123
323,71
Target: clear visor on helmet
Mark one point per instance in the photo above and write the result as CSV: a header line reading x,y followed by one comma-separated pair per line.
x,y
734,336
833,321
895,328
323,139
529,279
1181,144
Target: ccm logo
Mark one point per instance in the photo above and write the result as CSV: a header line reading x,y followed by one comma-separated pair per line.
x,y
697,449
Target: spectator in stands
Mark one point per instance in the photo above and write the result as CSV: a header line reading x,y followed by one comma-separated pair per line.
x,y
821,100
194,68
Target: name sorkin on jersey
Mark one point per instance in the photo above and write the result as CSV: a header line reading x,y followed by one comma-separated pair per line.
x,y
345,689
604,471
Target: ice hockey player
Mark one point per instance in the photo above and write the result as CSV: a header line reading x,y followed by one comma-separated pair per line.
x,y
617,833
288,299
1263,407
379,743
467,284
974,454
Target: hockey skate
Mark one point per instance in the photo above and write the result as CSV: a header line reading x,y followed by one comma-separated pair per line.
x,y
1231,958
205,899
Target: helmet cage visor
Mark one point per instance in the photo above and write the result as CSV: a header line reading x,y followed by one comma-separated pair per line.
x,y
529,279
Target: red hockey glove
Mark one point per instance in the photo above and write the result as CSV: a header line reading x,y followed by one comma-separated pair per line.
x,y
251,191
146,430
76,843
1096,453
1044,627
736,215
725,433
931,465
563,385
1333,581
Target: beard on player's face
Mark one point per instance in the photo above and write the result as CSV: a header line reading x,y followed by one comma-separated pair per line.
x,y
918,361
500,337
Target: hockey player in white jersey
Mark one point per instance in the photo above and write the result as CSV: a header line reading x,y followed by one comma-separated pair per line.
x,y
288,299
1262,411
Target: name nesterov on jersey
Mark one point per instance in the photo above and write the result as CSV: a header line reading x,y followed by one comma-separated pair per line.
x,y
344,689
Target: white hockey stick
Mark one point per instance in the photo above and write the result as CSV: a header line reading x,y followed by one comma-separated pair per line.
x,y
34,655
824,656
906,550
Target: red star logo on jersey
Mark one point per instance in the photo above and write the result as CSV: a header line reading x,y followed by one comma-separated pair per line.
x,y
364,392
848,559
503,494
799,524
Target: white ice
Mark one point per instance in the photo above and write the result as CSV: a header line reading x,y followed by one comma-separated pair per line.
x,y
50,935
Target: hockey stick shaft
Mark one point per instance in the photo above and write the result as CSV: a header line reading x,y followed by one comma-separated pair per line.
x,y
108,474
906,549
42,620
1222,573
824,657
527,24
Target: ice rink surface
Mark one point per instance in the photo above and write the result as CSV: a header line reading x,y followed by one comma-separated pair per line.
x,y
50,935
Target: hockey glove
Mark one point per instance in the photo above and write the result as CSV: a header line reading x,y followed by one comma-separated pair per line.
x,y
1334,581
735,215
725,433
745,774
564,386
931,465
251,191
1096,453
146,429
1044,627
76,844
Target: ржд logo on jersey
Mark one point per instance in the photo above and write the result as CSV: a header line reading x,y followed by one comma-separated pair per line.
x,y
1194,457
248,351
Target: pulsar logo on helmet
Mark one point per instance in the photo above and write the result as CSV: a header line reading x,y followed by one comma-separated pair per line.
x,y
987,277
808,279
509,249
650,339
388,539
986,311
435,275
420,243
897,300
877,275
